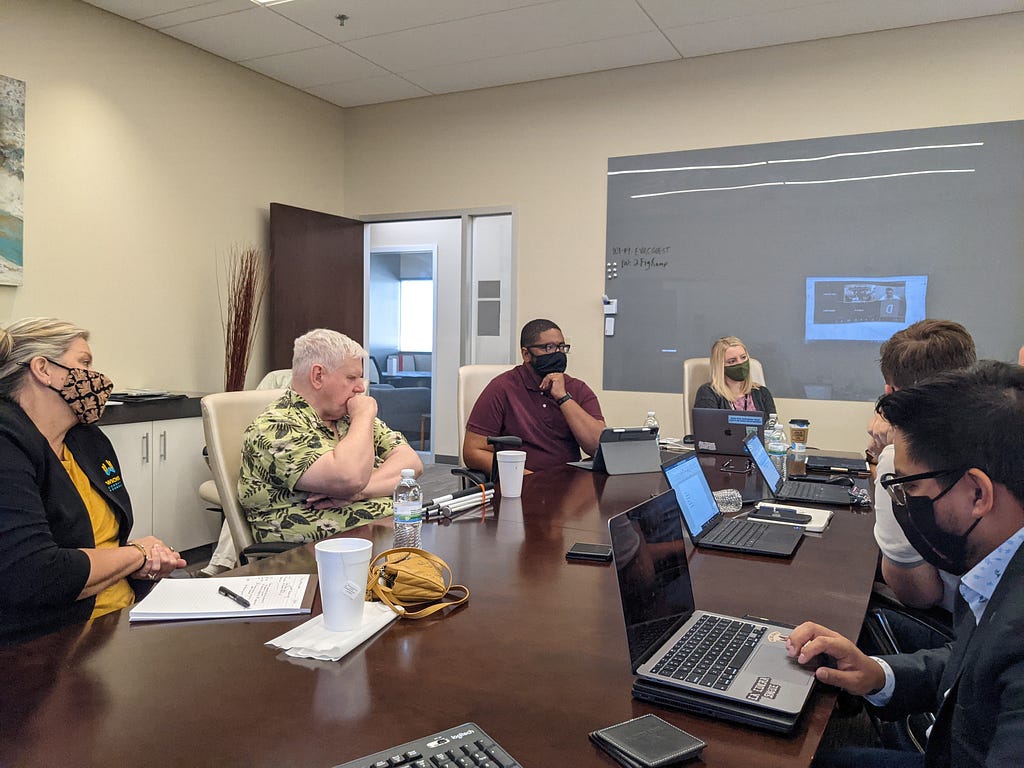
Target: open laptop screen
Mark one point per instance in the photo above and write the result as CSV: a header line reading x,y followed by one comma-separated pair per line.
x,y
763,461
692,493
654,581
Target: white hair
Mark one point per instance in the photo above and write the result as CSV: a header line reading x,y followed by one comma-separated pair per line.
x,y
324,347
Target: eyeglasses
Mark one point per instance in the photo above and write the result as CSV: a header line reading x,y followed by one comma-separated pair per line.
x,y
549,347
893,484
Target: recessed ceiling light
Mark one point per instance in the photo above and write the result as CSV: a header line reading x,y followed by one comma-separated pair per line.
x,y
270,2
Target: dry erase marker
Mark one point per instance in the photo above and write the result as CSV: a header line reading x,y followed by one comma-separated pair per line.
x,y
234,596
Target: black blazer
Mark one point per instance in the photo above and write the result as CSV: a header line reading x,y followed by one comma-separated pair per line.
x,y
706,397
981,722
44,523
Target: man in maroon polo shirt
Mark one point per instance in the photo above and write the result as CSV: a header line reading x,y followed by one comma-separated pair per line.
x,y
554,414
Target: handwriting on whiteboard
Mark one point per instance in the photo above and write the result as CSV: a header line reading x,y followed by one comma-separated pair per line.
x,y
641,258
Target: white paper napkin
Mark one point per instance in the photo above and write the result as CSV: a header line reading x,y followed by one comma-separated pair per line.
x,y
312,640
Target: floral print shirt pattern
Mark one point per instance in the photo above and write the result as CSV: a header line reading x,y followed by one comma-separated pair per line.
x,y
277,449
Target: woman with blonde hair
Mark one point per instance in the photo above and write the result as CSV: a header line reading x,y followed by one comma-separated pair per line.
x,y
731,386
65,514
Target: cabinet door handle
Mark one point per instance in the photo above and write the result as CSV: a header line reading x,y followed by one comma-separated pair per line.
x,y
163,445
145,448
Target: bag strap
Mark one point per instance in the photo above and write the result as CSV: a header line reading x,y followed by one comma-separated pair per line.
x,y
373,584
431,609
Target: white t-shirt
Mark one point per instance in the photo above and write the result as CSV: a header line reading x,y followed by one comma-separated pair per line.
x,y
890,537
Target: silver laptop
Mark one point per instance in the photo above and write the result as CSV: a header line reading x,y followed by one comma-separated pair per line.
x,y
719,430
625,451
743,672
793,490
710,529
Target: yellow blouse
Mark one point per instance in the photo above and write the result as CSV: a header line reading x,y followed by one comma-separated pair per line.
x,y
105,530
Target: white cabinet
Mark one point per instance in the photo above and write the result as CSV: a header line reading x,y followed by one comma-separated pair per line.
x,y
163,466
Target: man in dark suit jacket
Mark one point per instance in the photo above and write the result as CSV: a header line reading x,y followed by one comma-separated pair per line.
x,y
958,494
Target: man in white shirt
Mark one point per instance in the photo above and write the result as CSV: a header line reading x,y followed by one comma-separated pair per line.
x,y
921,350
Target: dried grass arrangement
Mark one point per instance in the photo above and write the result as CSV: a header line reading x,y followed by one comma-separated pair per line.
x,y
246,274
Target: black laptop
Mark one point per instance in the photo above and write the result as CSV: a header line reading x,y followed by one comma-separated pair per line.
x,y
793,490
625,451
836,464
710,529
711,663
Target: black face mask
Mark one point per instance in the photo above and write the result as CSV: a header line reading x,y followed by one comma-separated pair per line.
x,y
946,551
554,362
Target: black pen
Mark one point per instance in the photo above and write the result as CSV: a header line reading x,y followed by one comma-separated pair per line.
x,y
234,596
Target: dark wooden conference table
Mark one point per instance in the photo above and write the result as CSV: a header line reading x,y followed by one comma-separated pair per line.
x,y
537,658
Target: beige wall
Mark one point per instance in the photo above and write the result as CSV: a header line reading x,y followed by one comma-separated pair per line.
x,y
543,147
146,159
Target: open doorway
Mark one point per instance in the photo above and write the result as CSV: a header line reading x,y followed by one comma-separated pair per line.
x,y
456,274
401,338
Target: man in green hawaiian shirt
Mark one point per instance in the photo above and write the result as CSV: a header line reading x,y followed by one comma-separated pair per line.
x,y
318,460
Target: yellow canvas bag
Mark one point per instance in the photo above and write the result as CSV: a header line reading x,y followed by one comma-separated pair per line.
x,y
407,577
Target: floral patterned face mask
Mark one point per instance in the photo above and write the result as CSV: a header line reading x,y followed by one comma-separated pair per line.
x,y
85,391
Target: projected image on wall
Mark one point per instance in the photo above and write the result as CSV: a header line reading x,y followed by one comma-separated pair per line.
x,y
863,308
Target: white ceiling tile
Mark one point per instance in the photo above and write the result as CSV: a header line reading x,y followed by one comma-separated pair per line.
x,y
315,66
138,9
628,51
821,20
246,34
893,14
373,90
195,13
535,27
672,13
376,17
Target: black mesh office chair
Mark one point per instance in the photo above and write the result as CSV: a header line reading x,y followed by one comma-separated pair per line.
x,y
475,476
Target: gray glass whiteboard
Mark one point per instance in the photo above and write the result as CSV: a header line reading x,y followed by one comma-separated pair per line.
x,y
813,252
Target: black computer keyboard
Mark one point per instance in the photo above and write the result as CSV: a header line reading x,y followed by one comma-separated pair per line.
x,y
802,491
742,533
711,652
464,746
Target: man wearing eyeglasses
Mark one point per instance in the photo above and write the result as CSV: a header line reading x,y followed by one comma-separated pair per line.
x,y
553,413
958,494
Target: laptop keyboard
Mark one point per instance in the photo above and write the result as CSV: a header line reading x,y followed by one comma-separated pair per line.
x,y
806,492
742,533
464,746
711,652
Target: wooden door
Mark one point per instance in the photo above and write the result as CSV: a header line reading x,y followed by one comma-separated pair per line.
x,y
316,278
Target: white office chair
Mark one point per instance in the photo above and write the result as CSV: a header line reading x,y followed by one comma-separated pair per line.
x,y
472,380
697,371
278,379
273,380
225,417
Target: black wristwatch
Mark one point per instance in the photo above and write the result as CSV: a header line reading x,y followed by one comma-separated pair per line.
x,y
563,399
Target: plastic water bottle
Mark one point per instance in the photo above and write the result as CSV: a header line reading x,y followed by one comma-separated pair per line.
x,y
408,499
777,445
651,422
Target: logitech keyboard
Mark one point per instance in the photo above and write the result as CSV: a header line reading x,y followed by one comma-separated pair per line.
x,y
464,746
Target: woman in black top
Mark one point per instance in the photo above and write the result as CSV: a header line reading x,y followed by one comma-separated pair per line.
x,y
731,386
65,514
